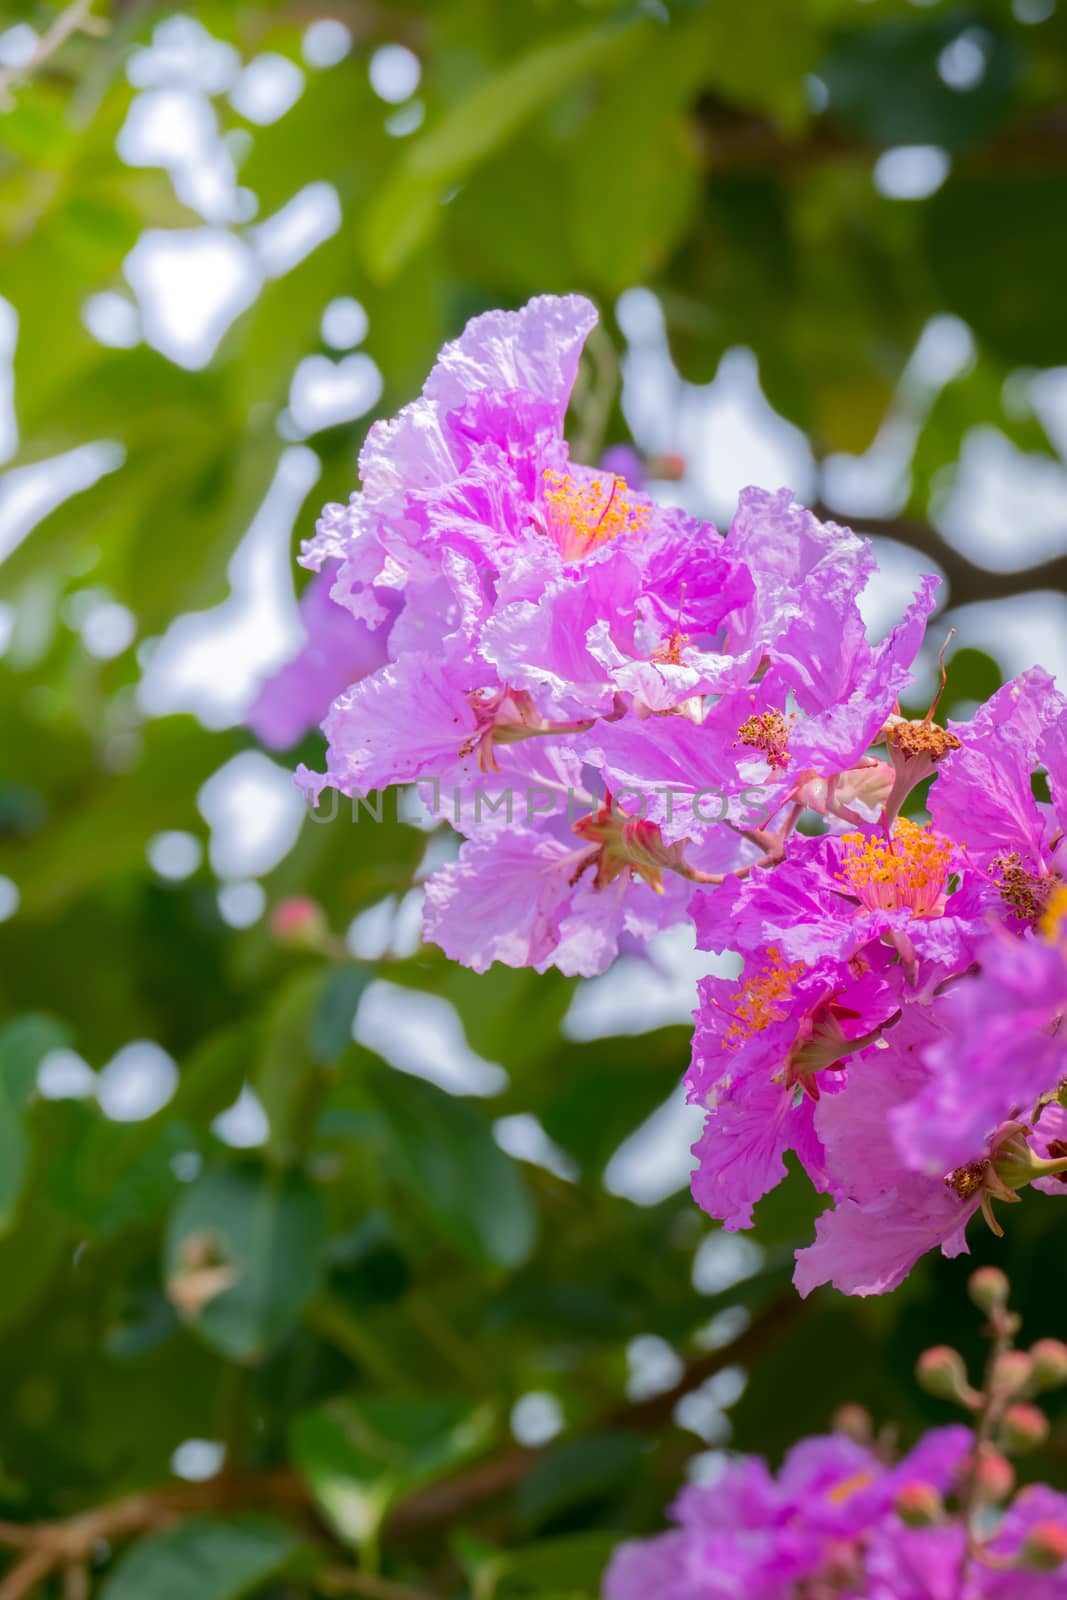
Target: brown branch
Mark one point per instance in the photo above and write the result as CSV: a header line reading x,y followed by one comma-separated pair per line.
x,y
967,582
76,18
52,1547
733,140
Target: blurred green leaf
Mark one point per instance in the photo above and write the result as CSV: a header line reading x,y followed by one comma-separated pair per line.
x,y
24,1042
205,1560
244,1254
360,1456
444,1152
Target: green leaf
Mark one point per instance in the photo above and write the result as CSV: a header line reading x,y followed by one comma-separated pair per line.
x,y
980,267
404,212
245,1251
205,1560
575,1472
569,1566
24,1043
360,1455
444,1151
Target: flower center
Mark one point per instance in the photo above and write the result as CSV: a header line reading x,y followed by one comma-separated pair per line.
x,y
1028,895
763,999
767,731
967,1181
582,515
915,739
905,872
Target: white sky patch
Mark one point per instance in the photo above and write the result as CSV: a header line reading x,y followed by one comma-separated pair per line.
x,y
10,898
108,629
17,45
1021,631
177,129
268,87
244,1125
174,854
113,320
536,1417
326,42
28,494
311,217
64,1075
655,1161
911,171
422,1034
635,995
9,433
211,662
198,1460
325,393
191,285
395,73
1006,509
406,120
344,323
242,904
523,1137
182,51
137,1082
254,811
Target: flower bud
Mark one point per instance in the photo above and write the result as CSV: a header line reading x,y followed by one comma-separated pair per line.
x,y
919,1505
1045,1547
855,1422
299,923
941,1372
1023,1428
1012,1371
989,1289
994,1475
1049,1357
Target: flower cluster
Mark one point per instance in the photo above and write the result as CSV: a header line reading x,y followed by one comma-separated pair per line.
x,y
643,721
843,1518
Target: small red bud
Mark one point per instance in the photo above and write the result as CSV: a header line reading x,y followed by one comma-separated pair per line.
x,y
941,1372
1012,1371
1023,1428
855,1422
919,1505
300,922
994,1476
1045,1547
989,1289
1049,1357
669,467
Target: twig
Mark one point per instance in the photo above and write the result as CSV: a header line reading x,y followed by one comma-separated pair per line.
x,y
350,1580
77,18
966,581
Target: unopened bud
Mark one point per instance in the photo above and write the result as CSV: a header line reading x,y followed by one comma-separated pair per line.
x,y
855,1422
1045,1547
919,1505
670,467
1049,1357
994,1476
299,922
1023,1428
941,1372
989,1289
1012,1371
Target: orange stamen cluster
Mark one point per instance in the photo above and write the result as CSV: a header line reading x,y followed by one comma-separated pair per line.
x,y
582,515
767,731
905,872
762,999
918,739
968,1180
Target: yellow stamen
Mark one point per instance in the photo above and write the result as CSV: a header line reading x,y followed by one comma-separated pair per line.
x,y
904,873
767,731
840,1492
582,515
1053,922
762,1000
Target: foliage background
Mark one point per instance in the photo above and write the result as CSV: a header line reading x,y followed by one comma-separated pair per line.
x,y
344,1302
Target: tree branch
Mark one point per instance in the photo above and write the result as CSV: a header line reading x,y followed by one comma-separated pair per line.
x,y
52,1547
967,582
76,18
